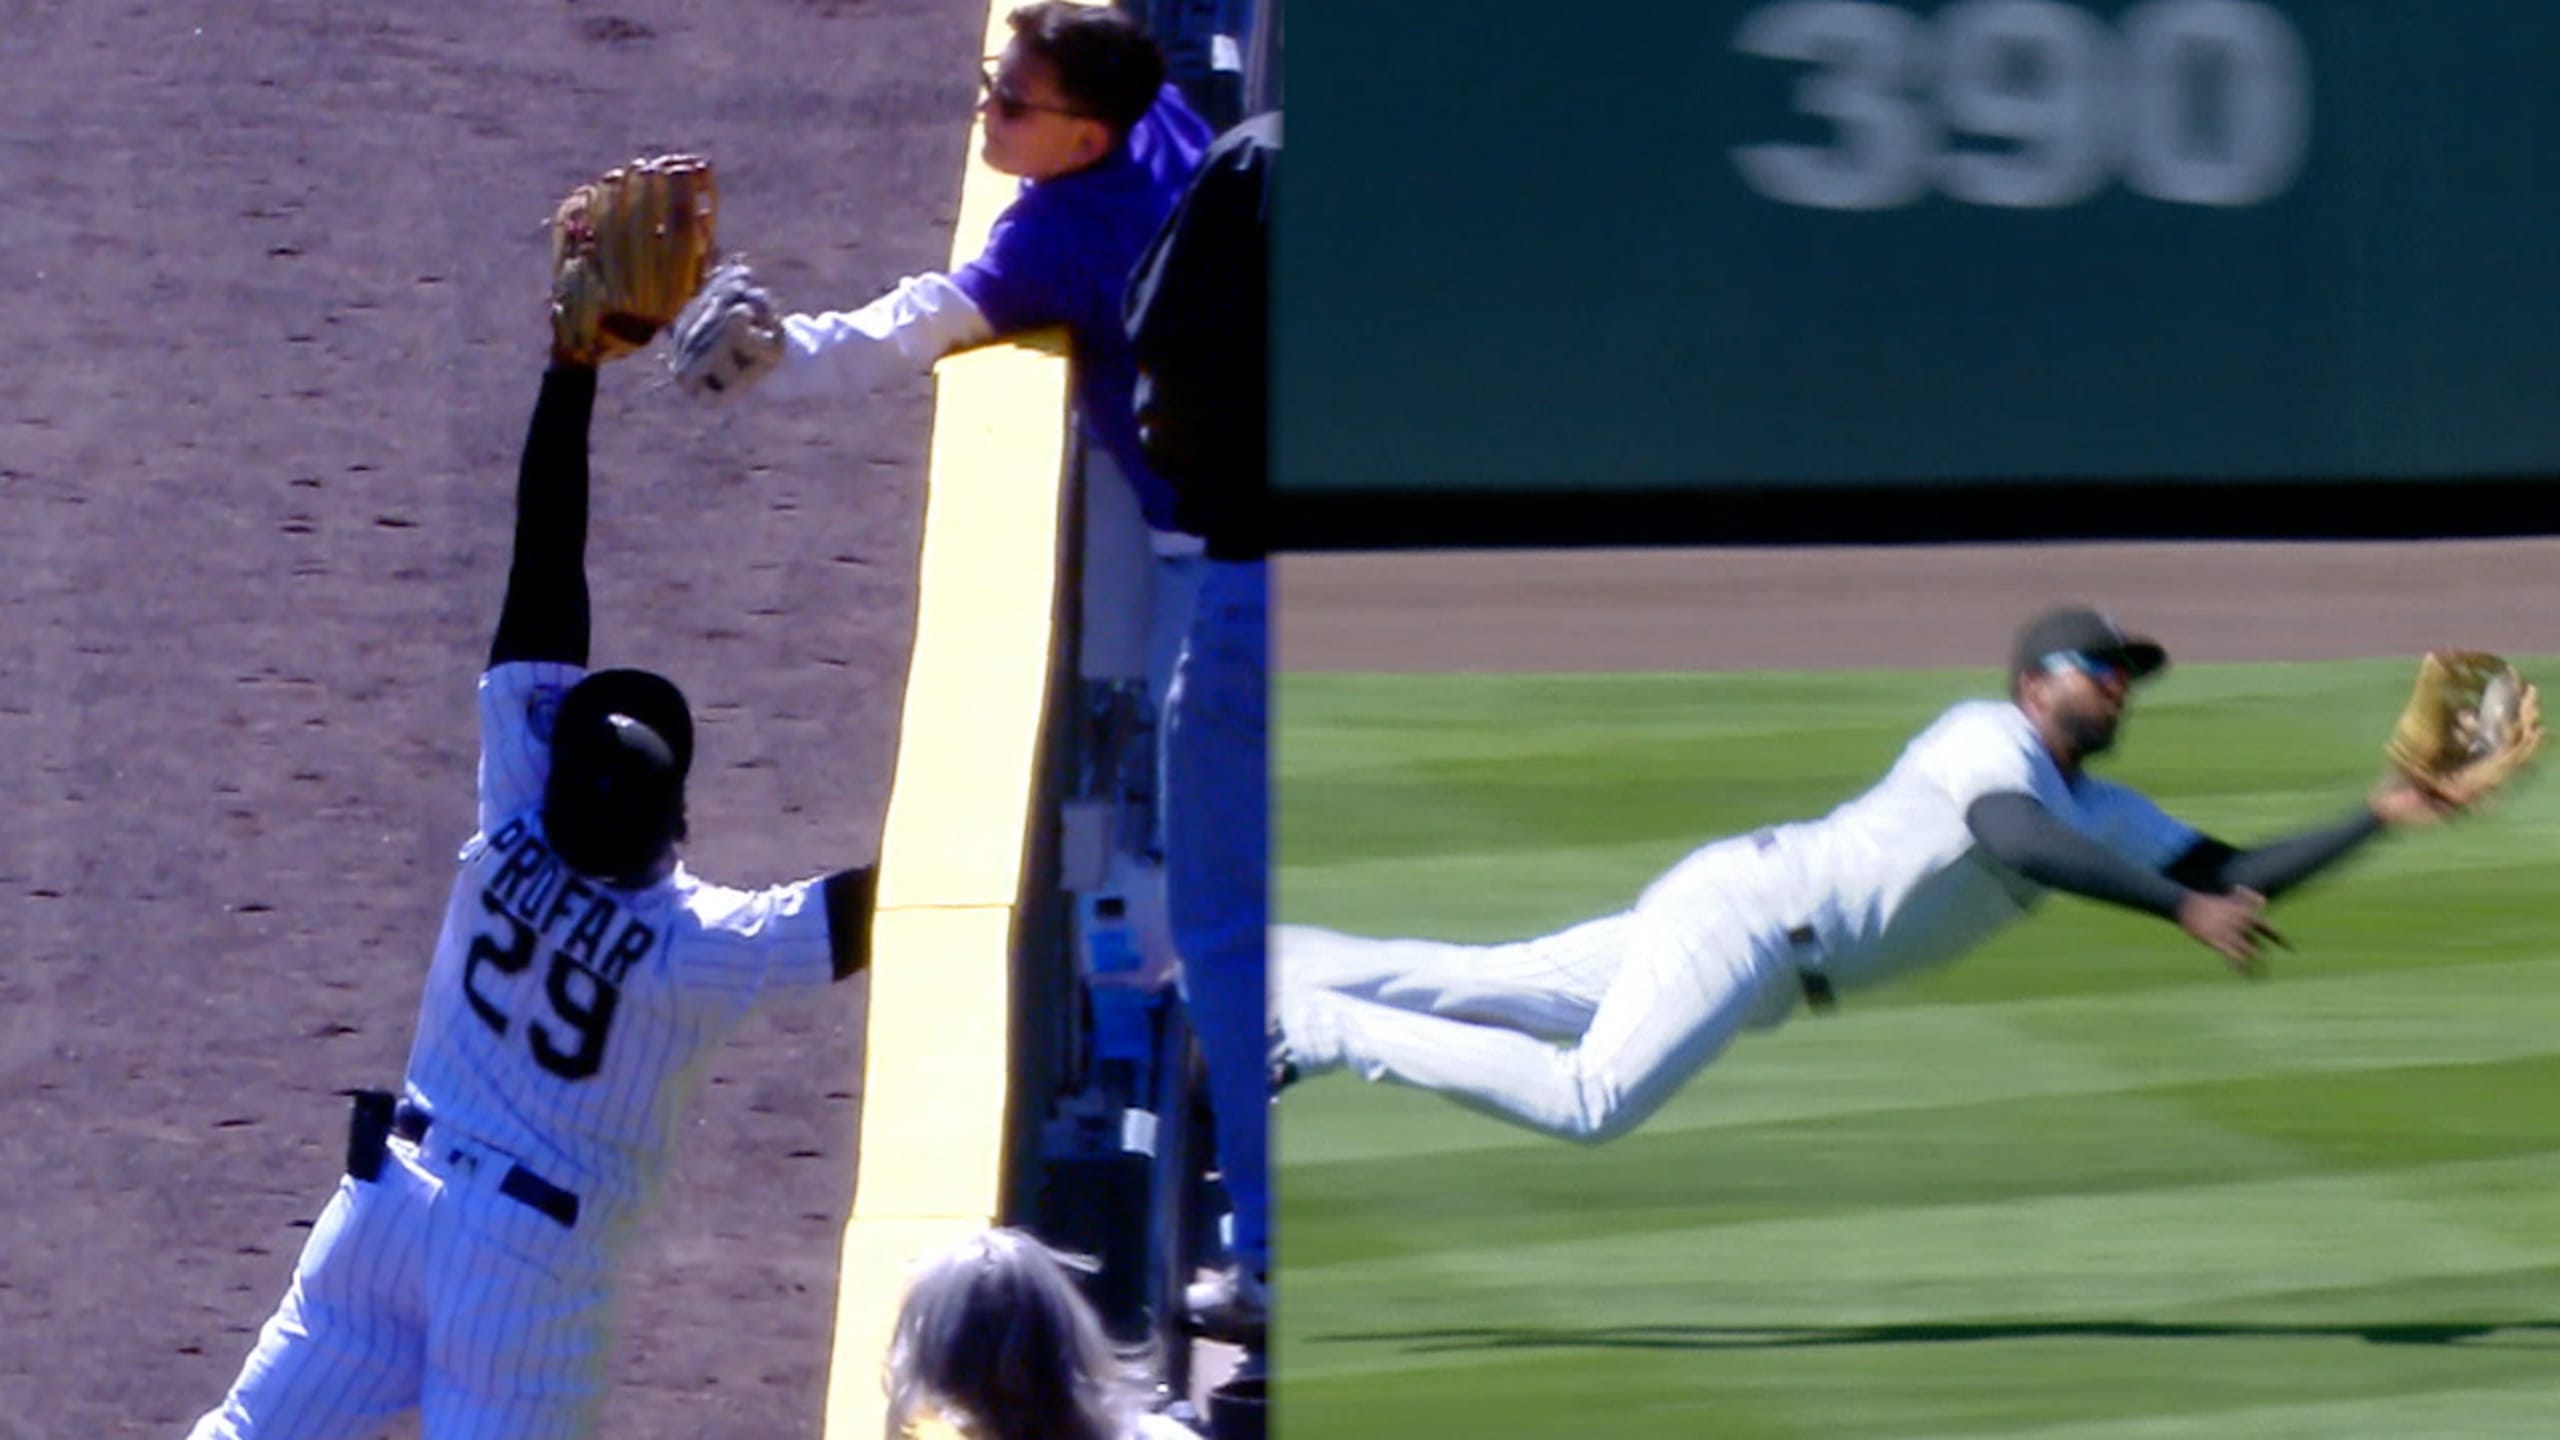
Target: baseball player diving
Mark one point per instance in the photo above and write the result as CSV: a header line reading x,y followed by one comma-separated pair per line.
x,y
1585,1033
465,1269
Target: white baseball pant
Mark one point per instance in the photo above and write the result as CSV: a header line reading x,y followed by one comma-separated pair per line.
x,y
427,1290
1581,1035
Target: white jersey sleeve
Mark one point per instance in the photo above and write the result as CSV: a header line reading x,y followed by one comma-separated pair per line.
x,y
1984,748
848,352
517,703
1990,749
746,945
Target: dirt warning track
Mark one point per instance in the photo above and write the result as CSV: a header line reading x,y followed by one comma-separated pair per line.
x,y
1839,607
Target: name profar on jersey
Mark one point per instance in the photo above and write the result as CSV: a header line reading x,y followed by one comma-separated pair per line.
x,y
533,902
2032,104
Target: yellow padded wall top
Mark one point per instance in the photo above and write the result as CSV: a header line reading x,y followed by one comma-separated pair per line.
x,y
953,851
968,745
937,1047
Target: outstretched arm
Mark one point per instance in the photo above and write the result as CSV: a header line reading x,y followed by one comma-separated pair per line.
x,y
849,352
2025,836
2028,838
545,614
2279,865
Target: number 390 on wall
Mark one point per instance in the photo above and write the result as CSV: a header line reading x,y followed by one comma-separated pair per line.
x,y
2033,104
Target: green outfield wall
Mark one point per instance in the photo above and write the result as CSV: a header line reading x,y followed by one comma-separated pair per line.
x,y
1724,245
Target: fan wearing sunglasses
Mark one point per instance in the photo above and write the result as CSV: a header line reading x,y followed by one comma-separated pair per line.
x,y
1583,1034
1079,108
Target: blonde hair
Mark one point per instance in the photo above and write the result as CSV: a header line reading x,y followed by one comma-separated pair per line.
x,y
995,1340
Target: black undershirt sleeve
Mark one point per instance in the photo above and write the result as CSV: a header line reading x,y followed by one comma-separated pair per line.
x,y
545,616
848,895
2279,865
2028,838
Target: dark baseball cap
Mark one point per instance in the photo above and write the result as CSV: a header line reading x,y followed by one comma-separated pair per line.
x,y
2080,630
613,804
652,700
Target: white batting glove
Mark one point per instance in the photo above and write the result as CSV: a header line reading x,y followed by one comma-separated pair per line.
x,y
729,336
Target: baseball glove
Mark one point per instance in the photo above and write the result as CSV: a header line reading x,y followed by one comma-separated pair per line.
x,y
627,250
729,337
2471,724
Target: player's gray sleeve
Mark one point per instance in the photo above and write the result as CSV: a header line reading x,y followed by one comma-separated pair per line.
x,y
2023,835
848,352
2279,865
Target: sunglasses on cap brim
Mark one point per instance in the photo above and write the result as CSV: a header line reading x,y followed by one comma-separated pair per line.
x,y
2096,667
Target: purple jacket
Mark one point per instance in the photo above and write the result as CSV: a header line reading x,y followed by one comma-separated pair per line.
x,y
1061,254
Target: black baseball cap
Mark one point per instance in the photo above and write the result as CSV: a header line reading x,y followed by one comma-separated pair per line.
x,y
2080,630
613,804
651,699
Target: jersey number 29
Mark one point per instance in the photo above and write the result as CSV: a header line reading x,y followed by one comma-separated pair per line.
x,y
581,1000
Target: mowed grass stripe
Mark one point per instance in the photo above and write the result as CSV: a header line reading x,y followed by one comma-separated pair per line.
x,y
1890,1061
2006,1315
2527,1405
2366,1369
2080,1183
2162,1139
2236,1384
2036,1251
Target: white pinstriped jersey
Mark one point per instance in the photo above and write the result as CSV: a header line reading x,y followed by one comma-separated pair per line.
x,y
563,1025
566,1022
1893,881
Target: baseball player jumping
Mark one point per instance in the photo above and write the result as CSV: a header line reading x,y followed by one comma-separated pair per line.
x,y
1585,1033
465,1268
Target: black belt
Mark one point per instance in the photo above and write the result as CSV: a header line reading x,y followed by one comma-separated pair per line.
x,y
1817,986
519,1184
379,1116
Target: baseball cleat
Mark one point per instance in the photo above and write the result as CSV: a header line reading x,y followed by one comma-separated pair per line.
x,y
1284,1071
1233,1307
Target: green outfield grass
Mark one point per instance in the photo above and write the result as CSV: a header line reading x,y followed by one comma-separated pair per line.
x,y
2082,1184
